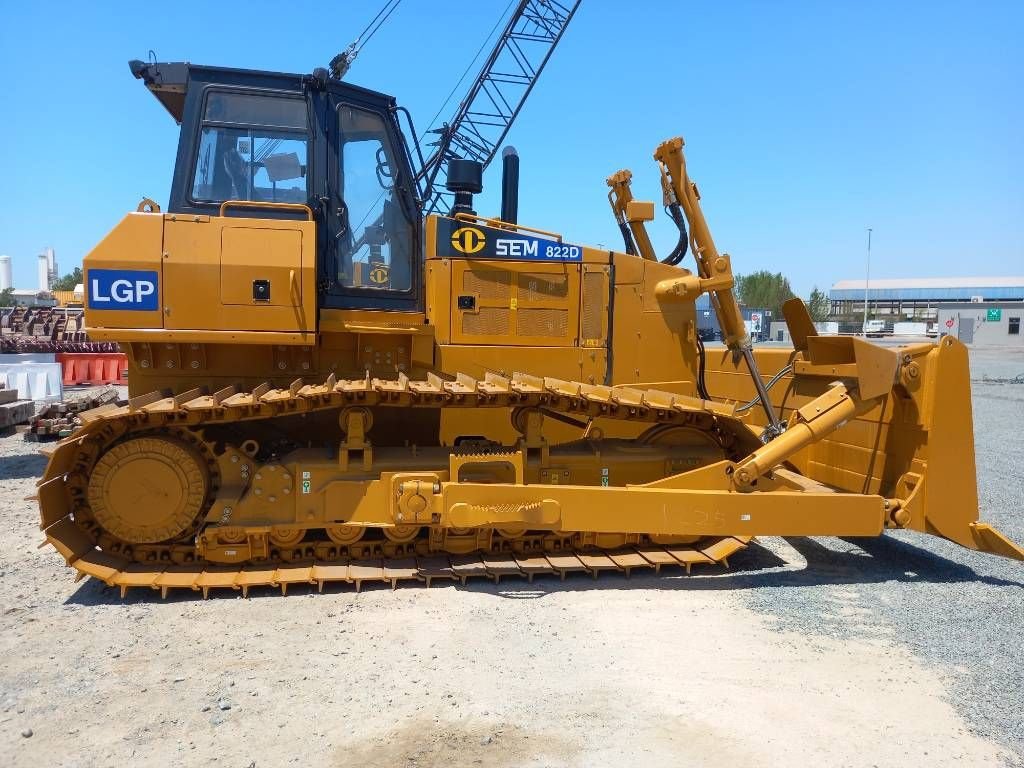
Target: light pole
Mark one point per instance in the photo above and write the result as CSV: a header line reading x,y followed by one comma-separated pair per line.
x,y
867,280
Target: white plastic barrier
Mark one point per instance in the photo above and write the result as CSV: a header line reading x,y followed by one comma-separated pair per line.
x,y
34,381
29,357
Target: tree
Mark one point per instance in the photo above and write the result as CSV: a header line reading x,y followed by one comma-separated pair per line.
x,y
7,297
819,305
763,290
69,281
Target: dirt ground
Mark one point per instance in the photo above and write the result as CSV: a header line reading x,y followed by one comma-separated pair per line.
x,y
709,670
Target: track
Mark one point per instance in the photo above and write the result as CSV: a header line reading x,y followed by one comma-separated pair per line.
x,y
313,558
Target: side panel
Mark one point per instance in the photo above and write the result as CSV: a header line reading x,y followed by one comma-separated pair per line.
x,y
127,257
235,274
653,341
256,256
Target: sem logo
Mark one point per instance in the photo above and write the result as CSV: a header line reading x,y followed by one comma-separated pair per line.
x,y
380,274
122,289
517,248
468,240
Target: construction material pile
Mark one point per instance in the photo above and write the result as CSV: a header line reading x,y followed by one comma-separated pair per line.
x,y
59,420
12,410
46,329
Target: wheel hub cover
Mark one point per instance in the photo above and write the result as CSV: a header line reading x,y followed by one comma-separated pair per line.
x,y
148,489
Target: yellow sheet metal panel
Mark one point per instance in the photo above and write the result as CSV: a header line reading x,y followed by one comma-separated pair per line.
x,y
368,320
191,294
132,247
158,335
628,269
627,336
211,269
439,298
249,255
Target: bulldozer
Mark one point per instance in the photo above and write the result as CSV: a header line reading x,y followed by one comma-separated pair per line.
x,y
329,383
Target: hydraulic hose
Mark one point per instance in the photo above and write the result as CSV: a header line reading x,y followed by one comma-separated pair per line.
x,y
675,212
702,389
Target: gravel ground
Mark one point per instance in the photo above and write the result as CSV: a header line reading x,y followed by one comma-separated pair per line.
x,y
900,651
961,611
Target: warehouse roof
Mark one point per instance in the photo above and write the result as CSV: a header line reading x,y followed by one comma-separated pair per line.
x,y
931,288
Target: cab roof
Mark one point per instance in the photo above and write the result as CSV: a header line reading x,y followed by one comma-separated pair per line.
x,y
169,81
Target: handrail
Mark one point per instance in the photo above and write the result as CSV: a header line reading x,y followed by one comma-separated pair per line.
x,y
499,224
296,207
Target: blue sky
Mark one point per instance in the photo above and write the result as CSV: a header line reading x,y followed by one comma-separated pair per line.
x,y
805,123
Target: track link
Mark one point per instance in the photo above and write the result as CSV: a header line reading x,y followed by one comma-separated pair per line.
x,y
69,528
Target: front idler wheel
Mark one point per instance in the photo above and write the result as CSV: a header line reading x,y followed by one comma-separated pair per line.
x,y
147,490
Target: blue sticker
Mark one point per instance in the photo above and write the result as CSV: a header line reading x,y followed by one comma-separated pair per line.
x,y
529,248
122,289
459,238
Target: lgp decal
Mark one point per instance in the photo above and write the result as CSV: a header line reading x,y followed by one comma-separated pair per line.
x,y
468,240
129,289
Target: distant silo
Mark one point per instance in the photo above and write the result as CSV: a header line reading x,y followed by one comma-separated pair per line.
x,y
51,265
44,272
6,276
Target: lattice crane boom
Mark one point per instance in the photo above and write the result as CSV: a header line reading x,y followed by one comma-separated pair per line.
x,y
496,97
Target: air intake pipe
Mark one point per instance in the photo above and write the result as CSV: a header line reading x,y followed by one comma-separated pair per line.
x,y
510,185
465,179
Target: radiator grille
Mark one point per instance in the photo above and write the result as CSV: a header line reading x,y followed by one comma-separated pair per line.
x,y
538,287
489,321
594,307
487,283
533,321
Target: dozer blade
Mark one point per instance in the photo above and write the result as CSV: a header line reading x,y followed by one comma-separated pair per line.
x,y
945,501
915,447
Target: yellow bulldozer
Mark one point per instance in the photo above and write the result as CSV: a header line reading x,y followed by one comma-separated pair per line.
x,y
330,383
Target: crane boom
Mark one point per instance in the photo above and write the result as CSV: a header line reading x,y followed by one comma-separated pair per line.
x,y
487,112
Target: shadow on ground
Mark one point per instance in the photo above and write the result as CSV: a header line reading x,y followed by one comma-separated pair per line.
x,y
857,561
20,467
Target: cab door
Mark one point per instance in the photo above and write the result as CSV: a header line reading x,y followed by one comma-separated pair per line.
x,y
372,242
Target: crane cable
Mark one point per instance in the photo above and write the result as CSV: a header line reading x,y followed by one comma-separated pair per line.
x,y
438,155
340,64
394,4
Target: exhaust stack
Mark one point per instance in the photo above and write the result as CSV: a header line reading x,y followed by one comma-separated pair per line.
x,y
510,185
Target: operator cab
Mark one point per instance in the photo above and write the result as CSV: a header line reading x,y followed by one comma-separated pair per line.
x,y
264,144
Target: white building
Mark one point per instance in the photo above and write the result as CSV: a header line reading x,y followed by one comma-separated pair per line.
x,y
977,310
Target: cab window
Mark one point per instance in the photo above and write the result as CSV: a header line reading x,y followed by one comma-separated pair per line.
x,y
252,147
375,244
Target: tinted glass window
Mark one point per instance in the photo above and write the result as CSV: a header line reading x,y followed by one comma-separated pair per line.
x,y
241,158
253,109
375,248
